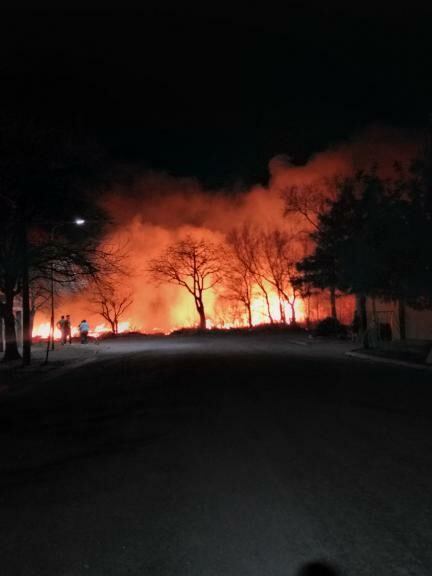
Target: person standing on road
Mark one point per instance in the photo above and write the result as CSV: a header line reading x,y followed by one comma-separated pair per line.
x,y
84,330
68,329
61,325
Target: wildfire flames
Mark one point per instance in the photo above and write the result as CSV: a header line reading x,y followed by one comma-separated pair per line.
x,y
156,210
42,330
258,308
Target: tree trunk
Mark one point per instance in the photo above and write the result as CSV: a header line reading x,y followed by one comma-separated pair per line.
x,y
249,314
282,310
333,302
112,324
11,346
264,291
308,305
202,323
402,320
293,314
27,337
363,320
200,309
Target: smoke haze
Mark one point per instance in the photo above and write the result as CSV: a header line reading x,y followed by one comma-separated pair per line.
x,y
154,209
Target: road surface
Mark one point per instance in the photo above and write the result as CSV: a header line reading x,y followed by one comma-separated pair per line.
x,y
218,456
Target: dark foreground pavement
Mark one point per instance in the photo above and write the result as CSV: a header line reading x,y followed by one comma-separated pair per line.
x,y
218,456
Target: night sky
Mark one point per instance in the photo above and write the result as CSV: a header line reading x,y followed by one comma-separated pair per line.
x,y
215,95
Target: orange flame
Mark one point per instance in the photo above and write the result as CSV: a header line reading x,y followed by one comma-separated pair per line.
x,y
43,330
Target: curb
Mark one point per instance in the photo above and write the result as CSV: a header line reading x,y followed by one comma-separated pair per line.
x,y
300,342
390,361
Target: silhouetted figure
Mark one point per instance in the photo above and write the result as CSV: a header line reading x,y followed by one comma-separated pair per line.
x,y
61,325
68,329
318,569
84,330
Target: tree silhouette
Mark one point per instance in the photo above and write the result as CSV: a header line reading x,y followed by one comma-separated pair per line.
x,y
238,278
43,177
111,304
310,201
195,265
279,268
246,243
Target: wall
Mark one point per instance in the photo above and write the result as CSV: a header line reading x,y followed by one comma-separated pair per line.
x,y
418,322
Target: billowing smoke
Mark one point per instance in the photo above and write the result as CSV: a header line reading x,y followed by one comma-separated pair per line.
x,y
154,209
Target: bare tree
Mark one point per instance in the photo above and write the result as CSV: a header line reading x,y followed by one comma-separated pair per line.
x,y
292,295
39,298
239,288
193,264
73,267
309,201
111,304
246,245
274,250
238,278
279,269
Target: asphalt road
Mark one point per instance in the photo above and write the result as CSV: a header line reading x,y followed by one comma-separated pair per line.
x,y
218,456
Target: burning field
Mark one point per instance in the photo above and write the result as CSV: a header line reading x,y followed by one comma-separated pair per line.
x,y
156,211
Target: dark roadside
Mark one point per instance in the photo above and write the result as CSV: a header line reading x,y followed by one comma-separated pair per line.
x,y
14,376
415,353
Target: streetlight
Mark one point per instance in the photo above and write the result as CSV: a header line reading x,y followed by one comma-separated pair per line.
x,y
77,222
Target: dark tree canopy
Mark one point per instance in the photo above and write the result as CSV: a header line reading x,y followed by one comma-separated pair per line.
x,y
45,178
375,237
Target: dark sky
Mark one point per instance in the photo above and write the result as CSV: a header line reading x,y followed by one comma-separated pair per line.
x,y
216,95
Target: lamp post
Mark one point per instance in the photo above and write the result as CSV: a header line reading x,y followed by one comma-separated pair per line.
x,y
50,340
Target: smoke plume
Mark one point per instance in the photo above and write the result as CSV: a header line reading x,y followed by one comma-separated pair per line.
x,y
154,209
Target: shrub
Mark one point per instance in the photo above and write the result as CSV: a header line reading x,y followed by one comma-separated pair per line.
x,y
331,327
